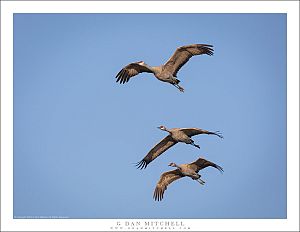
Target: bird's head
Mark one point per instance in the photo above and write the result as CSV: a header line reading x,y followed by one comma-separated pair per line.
x,y
172,165
162,128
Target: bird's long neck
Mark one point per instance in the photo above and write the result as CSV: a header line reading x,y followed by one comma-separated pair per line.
x,y
177,166
167,130
154,69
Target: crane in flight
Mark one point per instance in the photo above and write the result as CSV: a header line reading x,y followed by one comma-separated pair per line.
x,y
176,135
168,71
190,170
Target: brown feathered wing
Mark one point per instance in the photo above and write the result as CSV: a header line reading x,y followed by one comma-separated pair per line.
x,y
203,163
129,71
184,53
157,150
196,131
165,179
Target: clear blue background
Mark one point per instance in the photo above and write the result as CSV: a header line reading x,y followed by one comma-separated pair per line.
x,y
77,132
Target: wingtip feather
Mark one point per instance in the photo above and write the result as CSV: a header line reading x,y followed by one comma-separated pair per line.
x,y
220,168
141,164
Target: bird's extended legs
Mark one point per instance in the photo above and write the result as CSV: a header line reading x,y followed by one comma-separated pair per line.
x,y
202,182
179,87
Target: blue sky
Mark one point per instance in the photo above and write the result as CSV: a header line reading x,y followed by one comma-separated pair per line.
x,y
77,132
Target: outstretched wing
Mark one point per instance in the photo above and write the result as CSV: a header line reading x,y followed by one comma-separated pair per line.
x,y
165,179
157,150
203,163
184,53
129,71
196,131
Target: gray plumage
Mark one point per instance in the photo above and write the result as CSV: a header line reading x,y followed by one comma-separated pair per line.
x,y
176,135
190,170
168,71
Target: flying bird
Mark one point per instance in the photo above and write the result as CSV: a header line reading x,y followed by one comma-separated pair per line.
x,y
175,135
168,71
191,170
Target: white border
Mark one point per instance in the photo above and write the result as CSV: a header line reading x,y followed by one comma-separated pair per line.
x,y
7,10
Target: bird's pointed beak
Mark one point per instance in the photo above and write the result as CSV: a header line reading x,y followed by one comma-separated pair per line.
x,y
158,127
